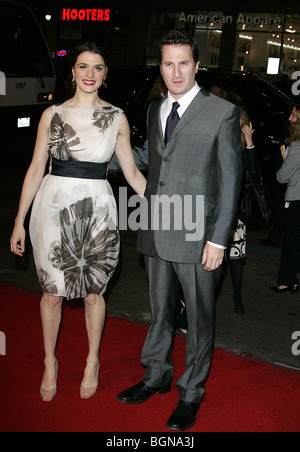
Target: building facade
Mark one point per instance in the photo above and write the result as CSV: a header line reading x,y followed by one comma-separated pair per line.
x,y
230,35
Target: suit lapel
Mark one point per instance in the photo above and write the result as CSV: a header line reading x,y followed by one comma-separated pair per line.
x,y
198,104
157,118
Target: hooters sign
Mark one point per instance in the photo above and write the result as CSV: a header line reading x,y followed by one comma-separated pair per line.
x,y
93,14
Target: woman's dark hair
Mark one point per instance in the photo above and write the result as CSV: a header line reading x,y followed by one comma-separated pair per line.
x,y
86,47
176,37
295,126
69,87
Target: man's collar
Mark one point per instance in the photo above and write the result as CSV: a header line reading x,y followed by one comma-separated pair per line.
x,y
186,99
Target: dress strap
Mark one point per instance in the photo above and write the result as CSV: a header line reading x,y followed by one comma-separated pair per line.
x,y
78,169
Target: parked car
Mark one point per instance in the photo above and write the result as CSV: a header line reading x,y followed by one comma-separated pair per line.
x,y
268,108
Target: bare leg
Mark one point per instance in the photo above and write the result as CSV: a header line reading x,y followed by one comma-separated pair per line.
x,y
51,319
95,311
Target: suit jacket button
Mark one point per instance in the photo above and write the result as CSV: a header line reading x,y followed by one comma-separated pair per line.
x,y
165,159
161,184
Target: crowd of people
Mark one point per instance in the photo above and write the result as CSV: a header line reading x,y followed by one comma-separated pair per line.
x,y
198,143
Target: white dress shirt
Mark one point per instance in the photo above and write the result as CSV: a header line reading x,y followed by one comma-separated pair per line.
x,y
184,103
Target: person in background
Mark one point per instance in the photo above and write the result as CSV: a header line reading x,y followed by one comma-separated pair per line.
x,y
289,174
237,245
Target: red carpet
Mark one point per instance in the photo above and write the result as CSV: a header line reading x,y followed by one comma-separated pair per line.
x,y
242,395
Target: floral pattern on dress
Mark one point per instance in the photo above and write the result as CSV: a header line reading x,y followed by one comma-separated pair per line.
x,y
89,249
73,229
47,286
104,118
61,139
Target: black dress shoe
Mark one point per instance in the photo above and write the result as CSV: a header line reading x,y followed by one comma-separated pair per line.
x,y
238,305
140,393
184,416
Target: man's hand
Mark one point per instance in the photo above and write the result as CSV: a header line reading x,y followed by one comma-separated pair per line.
x,y
212,257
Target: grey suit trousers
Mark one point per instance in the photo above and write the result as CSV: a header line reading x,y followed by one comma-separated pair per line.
x,y
199,288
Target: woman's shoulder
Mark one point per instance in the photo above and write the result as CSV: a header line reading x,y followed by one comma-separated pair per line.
x,y
295,147
295,143
109,107
105,104
47,114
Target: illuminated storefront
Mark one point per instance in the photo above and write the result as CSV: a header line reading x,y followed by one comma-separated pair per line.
x,y
255,38
231,39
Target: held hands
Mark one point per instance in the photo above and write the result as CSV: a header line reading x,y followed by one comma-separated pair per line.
x,y
212,257
17,241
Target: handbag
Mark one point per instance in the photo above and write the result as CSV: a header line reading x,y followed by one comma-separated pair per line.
x,y
254,200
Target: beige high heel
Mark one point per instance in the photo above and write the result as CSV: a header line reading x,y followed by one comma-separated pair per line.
x,y
48,395
88,393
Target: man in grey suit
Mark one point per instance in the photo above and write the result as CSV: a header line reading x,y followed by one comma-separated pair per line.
x,y
193,185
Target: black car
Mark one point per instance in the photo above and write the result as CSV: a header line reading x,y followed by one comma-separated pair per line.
x,y
267,107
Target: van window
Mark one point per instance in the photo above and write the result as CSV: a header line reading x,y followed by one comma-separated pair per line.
x,y
21,53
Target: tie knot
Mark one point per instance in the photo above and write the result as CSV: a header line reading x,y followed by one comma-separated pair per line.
x,y
175,107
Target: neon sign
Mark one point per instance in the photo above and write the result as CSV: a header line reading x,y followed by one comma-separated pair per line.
x,y
96,15
61,53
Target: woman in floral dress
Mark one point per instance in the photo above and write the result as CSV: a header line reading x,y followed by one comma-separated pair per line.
x,y
73,224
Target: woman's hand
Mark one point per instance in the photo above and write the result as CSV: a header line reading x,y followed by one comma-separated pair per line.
x,y
17,241
248,132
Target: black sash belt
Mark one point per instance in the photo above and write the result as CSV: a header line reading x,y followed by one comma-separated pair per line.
x,y
81,170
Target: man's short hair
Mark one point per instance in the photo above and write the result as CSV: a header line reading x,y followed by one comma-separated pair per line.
x,y
176,37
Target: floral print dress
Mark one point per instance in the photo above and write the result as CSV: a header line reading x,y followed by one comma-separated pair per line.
x,y
73,224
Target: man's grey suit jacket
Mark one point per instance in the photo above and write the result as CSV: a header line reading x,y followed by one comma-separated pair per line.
x,y
193,181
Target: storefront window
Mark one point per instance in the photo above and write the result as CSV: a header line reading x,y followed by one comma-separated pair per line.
x,y
205,26
158,24
208,33
259,37
253,50
254,36
278,37
291,45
